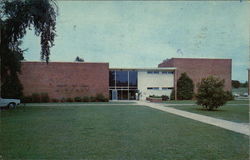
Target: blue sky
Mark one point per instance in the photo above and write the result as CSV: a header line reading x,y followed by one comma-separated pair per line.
x,y
144,33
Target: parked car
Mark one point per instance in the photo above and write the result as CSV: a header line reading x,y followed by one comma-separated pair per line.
x,y
245,94
11,103
236,95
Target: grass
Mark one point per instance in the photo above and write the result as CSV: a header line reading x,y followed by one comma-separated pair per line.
x,y
237,113
113,132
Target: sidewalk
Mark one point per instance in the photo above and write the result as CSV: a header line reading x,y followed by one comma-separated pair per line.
x,y
233,126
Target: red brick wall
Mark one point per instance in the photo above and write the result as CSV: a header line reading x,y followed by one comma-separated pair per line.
x,y
65,79
198,68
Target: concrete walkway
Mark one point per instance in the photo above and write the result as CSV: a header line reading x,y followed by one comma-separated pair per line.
x,y
233,126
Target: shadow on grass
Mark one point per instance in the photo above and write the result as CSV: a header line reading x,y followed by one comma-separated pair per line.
x,y
207,110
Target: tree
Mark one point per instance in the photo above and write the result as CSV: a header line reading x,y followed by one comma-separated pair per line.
x,y
78,59
244,85
15,17
235,84
210,93
185,87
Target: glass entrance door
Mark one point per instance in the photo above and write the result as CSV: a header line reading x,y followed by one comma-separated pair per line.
x,y
114,94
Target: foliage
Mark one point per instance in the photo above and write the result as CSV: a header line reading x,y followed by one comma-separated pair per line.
x,y
36,98
185,87
172,95
92,99
78,59
26,99
236,84
15,17
211,94
77,99
44,97
85,99
69,100
12,87
101,98
244,85
229,95
165,97
54,100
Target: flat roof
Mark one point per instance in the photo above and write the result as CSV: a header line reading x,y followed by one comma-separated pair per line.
x,y
146,69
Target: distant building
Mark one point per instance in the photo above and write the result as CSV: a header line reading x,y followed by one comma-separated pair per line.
x,y
72,79
199,68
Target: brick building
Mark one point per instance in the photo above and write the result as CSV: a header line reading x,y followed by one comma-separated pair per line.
x,y
198,68
65,79
73,79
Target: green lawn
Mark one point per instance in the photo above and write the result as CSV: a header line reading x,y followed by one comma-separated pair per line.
x,y
113,132
237,113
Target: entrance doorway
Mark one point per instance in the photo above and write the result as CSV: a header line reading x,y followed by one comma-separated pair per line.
x,y
114,94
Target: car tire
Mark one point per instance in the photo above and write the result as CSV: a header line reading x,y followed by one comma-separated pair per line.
x,y
12,105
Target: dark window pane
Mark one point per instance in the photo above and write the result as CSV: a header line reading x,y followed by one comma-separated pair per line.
x,y
132,78
121,78
111,78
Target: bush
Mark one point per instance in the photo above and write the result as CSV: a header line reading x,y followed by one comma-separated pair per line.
x,y
69,100
92,99
77,99
100,98
85,99
185,87
230,96
63,99
26,99
154,96
54,100
36,98
172,95
165,97
44,97
210,93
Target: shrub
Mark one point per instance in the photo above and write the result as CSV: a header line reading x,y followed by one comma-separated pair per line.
x,y
44,97
69,100
185,87
36,98
230,96
165,97
172,95
26,99
77,99
210,93
63,99
92,99
54,100
100,98
85,99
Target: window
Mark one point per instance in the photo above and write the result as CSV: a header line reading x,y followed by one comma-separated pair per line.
x,y
111,78
132,79
167,72
166,88
122,78
153,88
153,72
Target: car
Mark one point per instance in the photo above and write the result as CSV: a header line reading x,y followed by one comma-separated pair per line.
x,y
10,103
245,95
236,95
